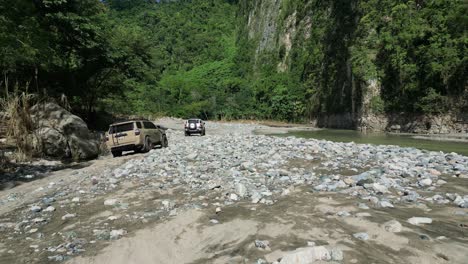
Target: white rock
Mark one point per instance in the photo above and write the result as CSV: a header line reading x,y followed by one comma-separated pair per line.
x,y
49,209
116,234
111,202
441,182
76,200
36,208
233,197
241,190
306,255
218,209
336,254
38,220
419,220
425,182
68,216
386,204
361,236
379,188
392,226
256,197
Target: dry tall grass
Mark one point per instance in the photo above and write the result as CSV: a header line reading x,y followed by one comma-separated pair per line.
x,y
17,117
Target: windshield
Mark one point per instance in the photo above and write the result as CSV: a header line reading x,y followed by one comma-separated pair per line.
x,y
120,128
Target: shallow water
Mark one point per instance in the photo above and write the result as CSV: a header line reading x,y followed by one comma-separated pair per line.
x,y
383,139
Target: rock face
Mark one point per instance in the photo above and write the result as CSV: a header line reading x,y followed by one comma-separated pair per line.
x,y
413,123
60,134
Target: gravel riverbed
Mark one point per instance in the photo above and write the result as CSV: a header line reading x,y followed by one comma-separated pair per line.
x,y
234,196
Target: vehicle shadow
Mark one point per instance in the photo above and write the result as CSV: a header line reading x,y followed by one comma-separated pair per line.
x,y
18,173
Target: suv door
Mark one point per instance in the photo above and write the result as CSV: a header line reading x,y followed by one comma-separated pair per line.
x,y
152,132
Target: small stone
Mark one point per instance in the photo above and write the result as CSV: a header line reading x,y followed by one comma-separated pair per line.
x,y
94,180
218,210
111,202
33,230
419,220
425,182
361,236
349,181
424,237
336,254
48,200
68,216
76,200
116,234
343,214
56,258
233,197
112,218
363,206
392,226
36,208
38,220
386,204
306,255
256,197
262,244
364,214
379,188
214,221
441,182
49,209
241,190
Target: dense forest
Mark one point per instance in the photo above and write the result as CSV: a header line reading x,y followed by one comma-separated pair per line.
x,y
221,59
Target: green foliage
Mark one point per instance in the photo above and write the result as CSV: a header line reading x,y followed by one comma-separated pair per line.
x,y
202,57
377,105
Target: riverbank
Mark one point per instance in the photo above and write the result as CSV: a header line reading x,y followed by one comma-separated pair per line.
x,y
237,197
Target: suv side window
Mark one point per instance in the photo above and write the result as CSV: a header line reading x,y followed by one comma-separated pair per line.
x,y
149,125
138,124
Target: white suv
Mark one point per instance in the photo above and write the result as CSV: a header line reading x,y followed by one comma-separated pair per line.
x,y
194,126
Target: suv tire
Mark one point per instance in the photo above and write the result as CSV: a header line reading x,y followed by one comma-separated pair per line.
x,y
116,153
187,134
165,143
148,145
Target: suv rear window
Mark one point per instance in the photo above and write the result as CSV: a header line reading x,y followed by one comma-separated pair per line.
x,y
194,121
120,128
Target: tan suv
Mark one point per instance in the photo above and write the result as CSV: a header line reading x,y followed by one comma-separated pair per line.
x,y
138,135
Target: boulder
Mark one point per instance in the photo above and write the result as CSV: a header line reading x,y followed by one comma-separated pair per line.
x,y
60,134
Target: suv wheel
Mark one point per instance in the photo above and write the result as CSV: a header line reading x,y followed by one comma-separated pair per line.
x,y
187,134
148,145
116,153
165,143
203,132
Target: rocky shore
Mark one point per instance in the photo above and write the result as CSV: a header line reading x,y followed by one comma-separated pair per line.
x,y
236,197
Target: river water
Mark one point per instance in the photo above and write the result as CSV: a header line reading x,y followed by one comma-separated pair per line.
x,y
383,139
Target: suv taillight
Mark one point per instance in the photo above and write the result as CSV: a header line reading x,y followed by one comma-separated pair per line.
x,y
137,132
